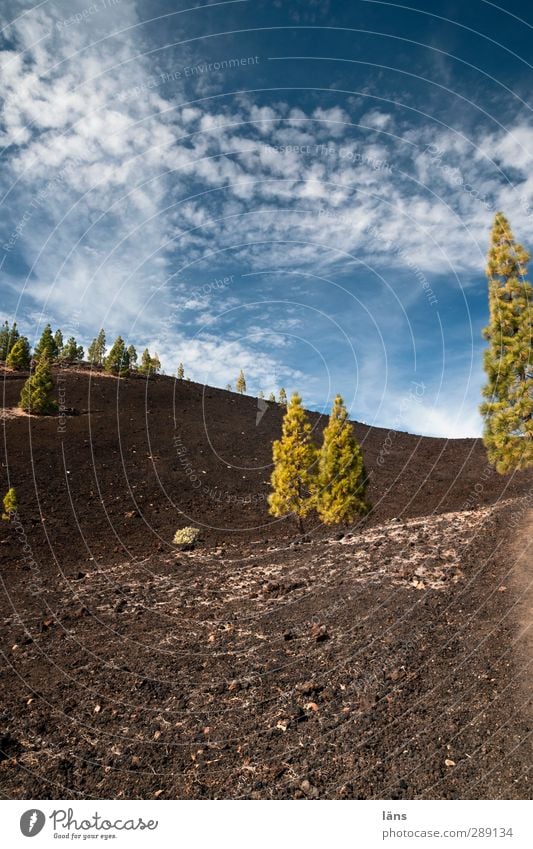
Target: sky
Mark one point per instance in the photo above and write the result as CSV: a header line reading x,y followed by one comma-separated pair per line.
x,y
303,190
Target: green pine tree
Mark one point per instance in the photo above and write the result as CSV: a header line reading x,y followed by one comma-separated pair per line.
x,y
10,504
36,396
96,352
71,352
240,384
149,365
341,479
4,341
132,354
19,357
46,345
117,361
180,373
294,455
58,339
508,361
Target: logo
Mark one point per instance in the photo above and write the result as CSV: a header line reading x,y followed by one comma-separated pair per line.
x,y
32,822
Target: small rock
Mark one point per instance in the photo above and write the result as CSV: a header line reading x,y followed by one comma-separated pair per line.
x,y
319,633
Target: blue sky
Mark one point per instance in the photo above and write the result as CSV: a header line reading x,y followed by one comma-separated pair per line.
x,y
300,189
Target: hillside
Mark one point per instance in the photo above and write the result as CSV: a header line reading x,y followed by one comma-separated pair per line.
x,y
143,458
383,661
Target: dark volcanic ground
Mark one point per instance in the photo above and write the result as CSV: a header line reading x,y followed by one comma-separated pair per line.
x,y
387,663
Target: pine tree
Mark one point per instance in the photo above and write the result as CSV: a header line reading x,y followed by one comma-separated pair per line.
x,y
4,342
180,373
508,410
294,472
282,397
14,336
19,357
71,352
58,339
96,352
261,395
36,395
46,345
117,361
240,384
272,397
229,387
341,479
132,354
149,365
10,503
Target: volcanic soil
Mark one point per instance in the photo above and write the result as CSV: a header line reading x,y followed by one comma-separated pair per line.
x,y
385,660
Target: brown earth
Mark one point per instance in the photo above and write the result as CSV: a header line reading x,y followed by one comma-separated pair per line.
x,y
386,662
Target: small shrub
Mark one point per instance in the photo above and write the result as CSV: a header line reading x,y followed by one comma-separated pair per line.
x,y
10,504
186,538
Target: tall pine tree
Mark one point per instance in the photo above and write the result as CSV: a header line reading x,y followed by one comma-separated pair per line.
x,y
118,361
96,351
240,383
341,479
508,361
294,458
47,345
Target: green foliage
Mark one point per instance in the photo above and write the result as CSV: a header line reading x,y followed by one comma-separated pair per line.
x,y
71,352
58,339
240,384
282,397
36,395
117,361
508,409
19,356
149,365
180,373
186,537
4,342
341,479
10,503
132,356
47,345
96,352
8,339
294,458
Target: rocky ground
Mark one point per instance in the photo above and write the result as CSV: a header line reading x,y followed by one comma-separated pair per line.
x,y
383,661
